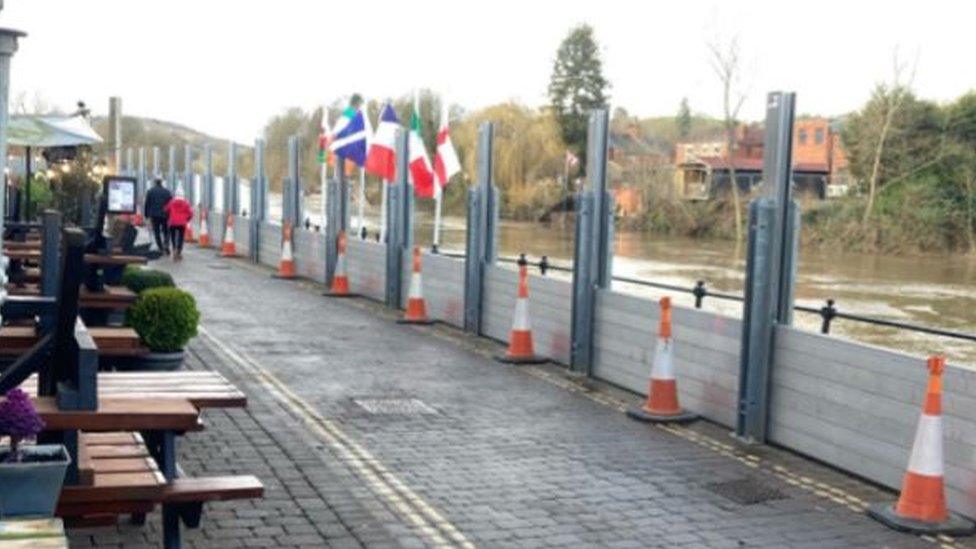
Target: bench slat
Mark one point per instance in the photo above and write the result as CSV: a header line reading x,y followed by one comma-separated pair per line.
x,y
213,489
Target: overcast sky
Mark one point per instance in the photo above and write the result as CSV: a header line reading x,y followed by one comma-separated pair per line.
x,y
225,66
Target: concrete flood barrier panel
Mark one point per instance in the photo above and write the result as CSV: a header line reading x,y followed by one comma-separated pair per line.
x,y
443,279
706,352
856,407
550,310
309,254
242,235
366,266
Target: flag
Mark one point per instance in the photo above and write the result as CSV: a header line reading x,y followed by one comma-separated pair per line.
x,y
420,170
381,160
349,141
445,160
323,145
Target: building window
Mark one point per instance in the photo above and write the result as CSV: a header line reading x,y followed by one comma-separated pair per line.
x,y
818,136
803,137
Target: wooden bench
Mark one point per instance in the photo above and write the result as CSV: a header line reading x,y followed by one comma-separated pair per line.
x,y
112,297
202,389
111,341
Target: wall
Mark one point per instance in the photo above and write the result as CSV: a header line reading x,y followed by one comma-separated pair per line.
x,y
856,406
270,245
706,352
550,303
366,267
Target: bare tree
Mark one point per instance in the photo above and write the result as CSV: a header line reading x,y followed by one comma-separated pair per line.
x,y
727,64
892,95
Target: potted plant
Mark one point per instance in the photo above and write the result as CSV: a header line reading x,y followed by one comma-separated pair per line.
x,y
165,319
30,475
139,279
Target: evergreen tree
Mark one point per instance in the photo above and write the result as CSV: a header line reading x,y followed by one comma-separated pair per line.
x,y
576,86
684,119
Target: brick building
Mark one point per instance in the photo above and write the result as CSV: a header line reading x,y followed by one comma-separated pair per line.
x,y
820,163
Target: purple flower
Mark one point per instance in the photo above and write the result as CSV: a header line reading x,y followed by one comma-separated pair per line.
x,y
18,420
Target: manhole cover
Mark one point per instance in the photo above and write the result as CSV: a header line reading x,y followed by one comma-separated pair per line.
x,y
395,406
745,491
220,266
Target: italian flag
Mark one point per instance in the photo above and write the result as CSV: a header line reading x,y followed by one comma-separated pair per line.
x,y
420,169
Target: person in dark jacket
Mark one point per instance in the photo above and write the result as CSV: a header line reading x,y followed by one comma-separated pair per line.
x,y
155,209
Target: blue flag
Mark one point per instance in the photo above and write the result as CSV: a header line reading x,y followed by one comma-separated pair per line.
x,y
350,141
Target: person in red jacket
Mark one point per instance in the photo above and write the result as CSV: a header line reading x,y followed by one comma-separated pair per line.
x,y
179,213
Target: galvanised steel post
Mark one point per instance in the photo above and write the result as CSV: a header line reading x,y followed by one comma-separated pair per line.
x,y
592,265
770,268
207,191
482,225
399,232
130,165
155,163
188,187
291,211
171,168
231,201
338,217
142,177
258,197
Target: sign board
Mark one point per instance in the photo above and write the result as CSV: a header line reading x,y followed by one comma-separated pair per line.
x,y
121,195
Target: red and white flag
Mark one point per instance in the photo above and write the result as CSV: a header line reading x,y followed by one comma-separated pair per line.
x,y
381,160
446,162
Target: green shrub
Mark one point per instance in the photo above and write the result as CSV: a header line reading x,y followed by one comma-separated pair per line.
x,y
165,318
138,279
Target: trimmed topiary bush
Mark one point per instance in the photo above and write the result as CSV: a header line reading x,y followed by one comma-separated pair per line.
x,y
138,279
165,318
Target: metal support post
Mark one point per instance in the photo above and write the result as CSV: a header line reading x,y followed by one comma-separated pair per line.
x,y
400,230
156,170
171,168
592,265
143,177
770,268
481,248
258,198
190,193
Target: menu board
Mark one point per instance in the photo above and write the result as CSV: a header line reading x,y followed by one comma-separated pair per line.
x,y
121,196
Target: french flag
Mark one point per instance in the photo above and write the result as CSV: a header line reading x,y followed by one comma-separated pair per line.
x,y
381,160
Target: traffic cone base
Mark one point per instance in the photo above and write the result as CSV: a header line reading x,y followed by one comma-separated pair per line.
x,y
340,279
953,525
286,265
203,239
520,349
416,312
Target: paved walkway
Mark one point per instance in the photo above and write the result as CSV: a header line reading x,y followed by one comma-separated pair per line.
x,y
370,433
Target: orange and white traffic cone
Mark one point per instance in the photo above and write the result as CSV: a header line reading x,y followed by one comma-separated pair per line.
x,y
286,265
416,305
340,280
228,248
204,239
921,507
520,347
662,394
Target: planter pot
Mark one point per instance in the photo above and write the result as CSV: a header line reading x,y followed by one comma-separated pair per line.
x,y
32,487
153,362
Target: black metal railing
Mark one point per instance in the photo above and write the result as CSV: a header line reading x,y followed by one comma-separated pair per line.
x,y
828,312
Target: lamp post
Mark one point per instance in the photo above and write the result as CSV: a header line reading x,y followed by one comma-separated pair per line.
x,y
8,46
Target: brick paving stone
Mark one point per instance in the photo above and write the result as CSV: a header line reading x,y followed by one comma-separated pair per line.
x,y
509,459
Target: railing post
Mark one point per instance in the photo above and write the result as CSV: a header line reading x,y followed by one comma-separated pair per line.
x,y
399,227
770,268
592,267
481,249
258,198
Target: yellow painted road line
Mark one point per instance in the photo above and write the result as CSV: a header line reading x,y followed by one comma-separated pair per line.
x,y
427,520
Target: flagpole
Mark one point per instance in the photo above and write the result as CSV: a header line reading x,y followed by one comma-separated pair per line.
x,y
383,200
324,169
437,219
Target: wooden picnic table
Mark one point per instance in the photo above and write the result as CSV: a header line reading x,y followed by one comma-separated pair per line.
x,y
112,341
22,244
22,254
115,260
121,413
110,297
203,389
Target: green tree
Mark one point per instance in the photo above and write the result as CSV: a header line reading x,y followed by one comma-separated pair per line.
x,y
576,86
683,119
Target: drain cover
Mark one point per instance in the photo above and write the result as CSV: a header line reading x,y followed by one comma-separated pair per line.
x,y
745,491
395,406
